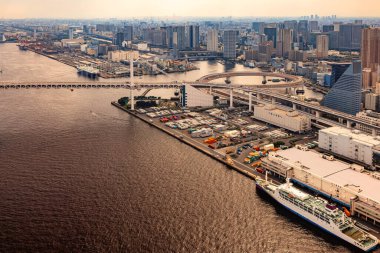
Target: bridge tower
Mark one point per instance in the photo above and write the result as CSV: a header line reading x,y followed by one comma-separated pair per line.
x,y
264,80
250,101
231,97
132,85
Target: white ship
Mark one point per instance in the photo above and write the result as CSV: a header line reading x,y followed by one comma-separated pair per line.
x,y
320,213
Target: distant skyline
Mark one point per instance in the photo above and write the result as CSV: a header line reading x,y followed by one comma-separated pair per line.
x,y
169,8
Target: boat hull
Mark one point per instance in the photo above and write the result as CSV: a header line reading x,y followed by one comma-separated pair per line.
x,y
261,189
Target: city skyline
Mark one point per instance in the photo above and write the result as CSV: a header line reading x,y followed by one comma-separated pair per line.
x,y
182,8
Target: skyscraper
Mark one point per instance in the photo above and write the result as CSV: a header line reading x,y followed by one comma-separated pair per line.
x,y
179,38
212,40
350,37
229,44
322,46
284,42
258,27
271,33
370,53
128,32
303,33
292,24
193,36
169,36
71,33
119,38
345,94
313,26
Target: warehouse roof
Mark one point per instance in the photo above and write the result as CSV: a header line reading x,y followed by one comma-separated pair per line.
x,y
337,172
356,135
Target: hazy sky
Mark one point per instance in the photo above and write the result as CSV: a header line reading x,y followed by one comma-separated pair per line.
x,y
138,8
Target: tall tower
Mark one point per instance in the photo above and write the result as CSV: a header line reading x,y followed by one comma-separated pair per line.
x,y
370,53
212,40
284,42
229,44
71,33
322,46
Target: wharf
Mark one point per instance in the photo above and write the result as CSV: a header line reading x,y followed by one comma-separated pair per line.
x,y
237,166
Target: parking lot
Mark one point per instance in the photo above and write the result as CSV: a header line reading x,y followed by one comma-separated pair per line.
x,y
233,134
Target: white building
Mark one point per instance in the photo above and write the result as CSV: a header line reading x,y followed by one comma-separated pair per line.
x,y
72,42
191,97
290,120
119,55
351,144
142,46
372,117
212,40
201,133
348,184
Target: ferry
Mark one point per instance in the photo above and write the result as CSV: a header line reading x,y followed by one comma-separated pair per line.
x,y
319,212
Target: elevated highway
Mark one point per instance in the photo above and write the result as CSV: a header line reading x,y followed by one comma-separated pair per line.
x,y
291,81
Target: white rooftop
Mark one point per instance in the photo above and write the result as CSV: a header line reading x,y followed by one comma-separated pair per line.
x,y
337,172
356,135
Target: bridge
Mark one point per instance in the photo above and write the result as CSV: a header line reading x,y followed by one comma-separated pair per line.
x,y
291,81
260,91
89,84
127,85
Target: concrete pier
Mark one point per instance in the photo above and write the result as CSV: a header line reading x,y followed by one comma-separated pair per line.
x,y
244,170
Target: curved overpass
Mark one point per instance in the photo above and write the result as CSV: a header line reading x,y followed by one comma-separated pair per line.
x,y
292,81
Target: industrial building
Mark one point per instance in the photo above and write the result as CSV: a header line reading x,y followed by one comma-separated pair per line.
x,y
347,184
351,144
290,120
370,116
191,97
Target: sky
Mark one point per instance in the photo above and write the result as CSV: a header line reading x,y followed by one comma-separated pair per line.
x,y
170,8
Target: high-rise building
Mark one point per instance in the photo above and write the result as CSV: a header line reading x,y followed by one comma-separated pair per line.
x,y
71,33
119,39
284,42
155,37
169,36
265,51
212,40
370,53
327,28
271,33
229,44
86,29
179,38
292,24
345,94
313,26
350,36
193,36
128,32
258,27
322,46
334,40
303,33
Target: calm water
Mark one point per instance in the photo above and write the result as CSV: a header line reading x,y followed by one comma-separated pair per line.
x,y
78,175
